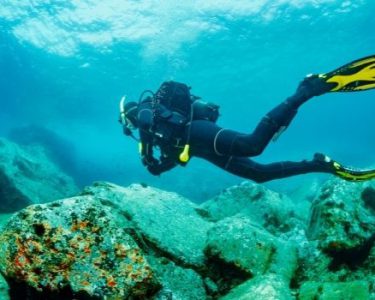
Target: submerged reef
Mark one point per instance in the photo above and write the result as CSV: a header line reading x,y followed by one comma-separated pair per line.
x,y
139,242
27,176
60,150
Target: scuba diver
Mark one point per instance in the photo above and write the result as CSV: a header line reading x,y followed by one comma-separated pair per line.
x,y
182,126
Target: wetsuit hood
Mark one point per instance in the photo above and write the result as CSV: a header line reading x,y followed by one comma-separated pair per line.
x,y
131,115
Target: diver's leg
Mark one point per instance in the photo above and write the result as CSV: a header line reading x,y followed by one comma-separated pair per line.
x,y
309,87
228,142
249,169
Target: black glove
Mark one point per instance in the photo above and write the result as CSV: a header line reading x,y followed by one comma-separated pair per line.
x,y
154,170
149,161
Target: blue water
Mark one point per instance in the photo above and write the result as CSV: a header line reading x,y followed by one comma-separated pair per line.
x,y
64,65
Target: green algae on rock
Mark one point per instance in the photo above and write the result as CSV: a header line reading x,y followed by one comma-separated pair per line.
x,y
341,247
239,242
77,244
339,221
267,287
177,282
4,289
355,290
269,209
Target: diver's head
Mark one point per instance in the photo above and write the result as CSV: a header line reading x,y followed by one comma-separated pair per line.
x,y
131,115
128,116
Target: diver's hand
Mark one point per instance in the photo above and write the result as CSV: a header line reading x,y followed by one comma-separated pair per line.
x,y
154,170
165,164
152,165
149,161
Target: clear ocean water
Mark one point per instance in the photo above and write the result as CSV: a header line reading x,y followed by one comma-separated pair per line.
x,y
64,65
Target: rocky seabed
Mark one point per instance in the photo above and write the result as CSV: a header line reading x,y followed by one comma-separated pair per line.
x,y
140,242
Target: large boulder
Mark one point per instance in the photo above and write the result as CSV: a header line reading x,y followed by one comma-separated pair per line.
x,y
4,289
368,197
318,268
4,218
355,290
267,287
59,150
177,283
165,226
74,248
239,244
340,254
169,223
339,220
27,177
271,210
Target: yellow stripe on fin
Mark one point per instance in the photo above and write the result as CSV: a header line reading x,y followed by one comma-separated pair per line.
x,y
356,177
364,79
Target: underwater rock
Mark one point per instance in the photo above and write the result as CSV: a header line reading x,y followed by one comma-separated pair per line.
x,y
273,211
267,287
237,242
167,222
339,221
356,290
360,265
4,289
74,248
4,218
178,283
342,243
58,149
304,193
317,266
368,197
27,177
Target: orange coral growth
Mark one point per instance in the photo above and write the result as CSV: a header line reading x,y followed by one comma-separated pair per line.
x,y
79,225
111,282
21,260
35,245
83,224
85,283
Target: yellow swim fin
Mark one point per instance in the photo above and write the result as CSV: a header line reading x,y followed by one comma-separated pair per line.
x,y
343,172
353,175
359,75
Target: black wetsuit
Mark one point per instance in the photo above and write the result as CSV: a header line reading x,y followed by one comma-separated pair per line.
x,y
225,148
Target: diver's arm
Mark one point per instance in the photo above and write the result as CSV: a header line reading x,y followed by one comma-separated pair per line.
x,y
145,124
146,149
145,117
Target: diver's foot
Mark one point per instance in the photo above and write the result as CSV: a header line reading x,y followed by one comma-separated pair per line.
x,y
325,162
328,165
314,85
